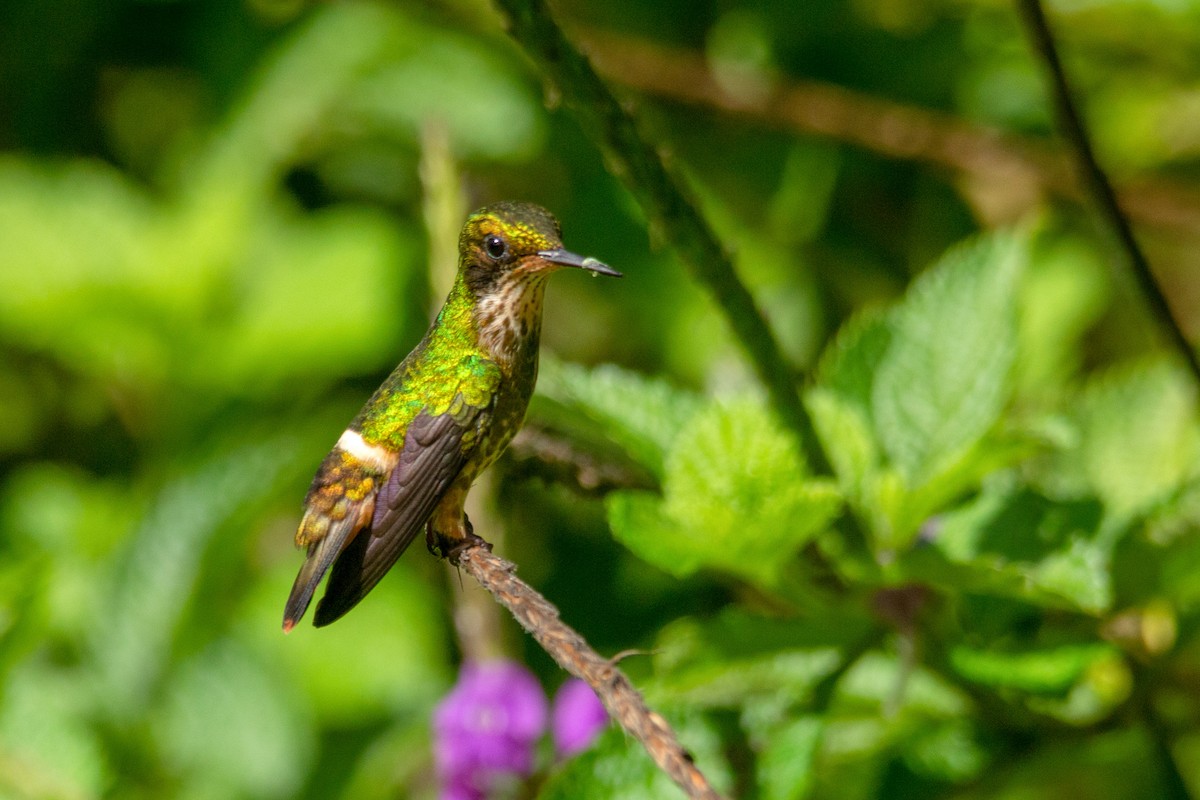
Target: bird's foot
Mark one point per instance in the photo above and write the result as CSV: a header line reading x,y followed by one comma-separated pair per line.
x,y
451,548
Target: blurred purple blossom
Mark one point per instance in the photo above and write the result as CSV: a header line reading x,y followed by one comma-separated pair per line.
x,y
577,718
486,728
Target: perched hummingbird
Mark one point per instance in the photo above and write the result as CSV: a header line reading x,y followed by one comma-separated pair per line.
x,y
407,460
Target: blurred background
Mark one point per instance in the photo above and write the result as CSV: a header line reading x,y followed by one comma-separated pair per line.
x,y
222,224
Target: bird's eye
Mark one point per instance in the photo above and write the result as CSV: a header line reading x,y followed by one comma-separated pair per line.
x,y
495,247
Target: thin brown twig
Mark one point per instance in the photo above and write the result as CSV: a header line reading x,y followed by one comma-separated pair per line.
x,y
542,452
1094,178
625,704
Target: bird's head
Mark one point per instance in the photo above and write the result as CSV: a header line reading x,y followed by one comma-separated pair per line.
x,y
507,244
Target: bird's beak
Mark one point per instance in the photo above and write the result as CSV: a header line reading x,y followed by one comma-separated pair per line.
x,y
565,258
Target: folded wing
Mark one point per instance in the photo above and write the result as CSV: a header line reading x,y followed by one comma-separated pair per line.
x,y
434,454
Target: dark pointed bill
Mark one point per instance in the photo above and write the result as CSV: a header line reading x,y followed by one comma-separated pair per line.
x,y
566,258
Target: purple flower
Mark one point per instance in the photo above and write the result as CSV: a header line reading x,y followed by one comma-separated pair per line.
x,y
577,718
487,728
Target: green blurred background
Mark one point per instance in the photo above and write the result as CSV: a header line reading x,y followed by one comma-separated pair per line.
x,y
222,223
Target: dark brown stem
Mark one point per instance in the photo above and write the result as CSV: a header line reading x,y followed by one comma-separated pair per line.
x,y
541,452
1094,178
666,202
572,652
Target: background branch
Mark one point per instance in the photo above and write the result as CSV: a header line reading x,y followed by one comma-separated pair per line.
x,y
1096,182
666,202
1026,168
572,652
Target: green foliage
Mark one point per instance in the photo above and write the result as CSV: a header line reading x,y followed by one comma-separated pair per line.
x,y
904,400
1136,437
944,377
643,415
211,249
733,498
911,405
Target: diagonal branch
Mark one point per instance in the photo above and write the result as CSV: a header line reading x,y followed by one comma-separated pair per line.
x,y
667,204
1071,124
572,652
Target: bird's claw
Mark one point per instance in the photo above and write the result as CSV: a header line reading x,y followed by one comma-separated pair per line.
x,y
451,548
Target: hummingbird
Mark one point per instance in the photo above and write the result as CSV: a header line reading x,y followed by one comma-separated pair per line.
x,y
407,461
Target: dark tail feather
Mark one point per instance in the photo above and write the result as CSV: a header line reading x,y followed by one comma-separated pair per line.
x,y
345,587
302,592
320,555
358,569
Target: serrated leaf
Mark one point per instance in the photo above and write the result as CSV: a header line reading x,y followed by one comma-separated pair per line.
x,y
733,499
849,365
642,414
946,374
616,767
638,522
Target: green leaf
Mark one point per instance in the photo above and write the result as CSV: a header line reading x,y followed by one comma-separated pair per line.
x,y
1137,435
849,365
785,759
1081,573
1050,670
739,657
616,767
948,751
875,677
1014,542
638,522
1063,293
300,83
1015,523
788,675
642,414
733,499
946,374
845,432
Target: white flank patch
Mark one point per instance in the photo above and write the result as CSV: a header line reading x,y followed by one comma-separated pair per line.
x,y
373,455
